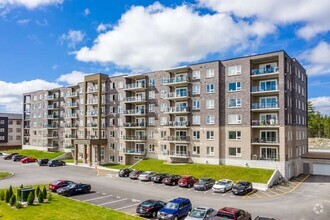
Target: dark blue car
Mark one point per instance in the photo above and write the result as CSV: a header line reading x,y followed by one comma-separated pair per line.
x,y
175,209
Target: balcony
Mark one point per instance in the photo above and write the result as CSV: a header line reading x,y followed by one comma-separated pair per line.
x,y
91,125
50,135
71,94
27,118
135,151
177,139
269,90
92,102
265,141
177,110
135,138
52,97
134,99
71,126
266,72
70,136
52,107
176,81
177,124
265,123
72,115
72,105
272,158
135,86
135,112
264,106
134,125
179,154
26,126
92,89
177,95
52,117
92,113
51,145
93,137
51,126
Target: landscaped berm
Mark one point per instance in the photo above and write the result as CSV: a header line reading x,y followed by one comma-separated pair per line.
x,y
217,172
4,175
36,153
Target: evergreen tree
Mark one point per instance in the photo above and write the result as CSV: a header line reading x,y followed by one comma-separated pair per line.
x,y
10,191
7,197
2,195
38,191
12,200
30,199
44,192
40,197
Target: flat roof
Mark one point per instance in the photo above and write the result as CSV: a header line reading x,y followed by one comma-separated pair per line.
x,y
314,155
12,116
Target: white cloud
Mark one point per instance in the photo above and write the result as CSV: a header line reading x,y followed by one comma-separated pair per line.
x,y
30,4
72,78
103,27
42,22
318,59
322,104
73,37
23,21
87,11
155,37
314,15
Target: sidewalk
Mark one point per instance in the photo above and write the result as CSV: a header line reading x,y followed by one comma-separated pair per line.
x,y
96,167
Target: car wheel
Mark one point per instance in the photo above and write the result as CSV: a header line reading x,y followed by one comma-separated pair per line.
x,y
154,214
176,218
173,183
189,185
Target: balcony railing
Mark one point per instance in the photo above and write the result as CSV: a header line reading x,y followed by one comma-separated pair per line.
x,y
178,138
174,95
92,89
72,104
270,122
52,97
91,125
52,116
265,70
134,151
72,115
70,136
93,137
177,110
183,154
137,138
268,140
71,126
264,105
134,124
71,94
264,89
91,113
177,123
51,135
134,99
135,86
91,101
52,107
175,80
135,112
51,145
27,118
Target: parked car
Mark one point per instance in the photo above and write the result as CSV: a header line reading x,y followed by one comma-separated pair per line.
x,y
204,184
150,208
146,176
56,163
17,157
54,186
242,188
134,175
233,213
264,218
1,154
187,181
124,172
29,160
175,209
171,180
159,177
74,188
43,162
10,156
222,185
201,213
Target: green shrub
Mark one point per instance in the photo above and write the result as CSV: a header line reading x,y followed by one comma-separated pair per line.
x,y
37,191
44,192
18,205
21,186
12,200
10,191
2,195
7,198
30,199
49,196
40,197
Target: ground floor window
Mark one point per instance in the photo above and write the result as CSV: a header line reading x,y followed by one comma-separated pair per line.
x,y
235,152
120,159
210,151
151,148
196,150
269,153
111,159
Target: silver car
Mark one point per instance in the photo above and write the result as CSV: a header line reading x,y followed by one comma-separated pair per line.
x,y
222,185
200,213
147,175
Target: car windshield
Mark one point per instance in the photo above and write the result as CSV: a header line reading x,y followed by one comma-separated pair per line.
x,y
203,180
71,186
224,215
171,205
240,185
56,182
148,203
197,213
221,183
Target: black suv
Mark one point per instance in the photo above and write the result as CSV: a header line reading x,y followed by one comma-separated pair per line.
x,y
56,163
150,208
242,188
124,172
175,209
159,177
43,162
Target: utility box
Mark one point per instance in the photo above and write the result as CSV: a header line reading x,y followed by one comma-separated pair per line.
x,y
23,193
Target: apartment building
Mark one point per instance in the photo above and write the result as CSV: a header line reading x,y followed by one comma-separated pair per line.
x,y
249,111
10,131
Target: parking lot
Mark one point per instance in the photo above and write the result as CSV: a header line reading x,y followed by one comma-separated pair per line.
x,y
310,200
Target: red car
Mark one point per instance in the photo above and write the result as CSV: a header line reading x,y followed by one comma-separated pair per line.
x,y
187,181
59,184
29,160
233,213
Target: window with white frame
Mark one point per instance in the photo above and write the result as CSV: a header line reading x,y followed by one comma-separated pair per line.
x,y
151,82
120,147
196,119
210,151
163,93
209,72
111,146
111,158
234,102
162,134
151,135
152,94
210,88
120,159
163,120
196,89
210,119
196,150
209,103
269,153
209,135
163,107
120,85
196,104
151,148
234,86
112,109
196,74
234,70
151,107
163,147
111,133
151,120
234,135
196,135
112,85
234,152
234,119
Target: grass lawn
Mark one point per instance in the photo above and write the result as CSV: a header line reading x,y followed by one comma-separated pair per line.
x,y
115,166
217,172
36,153
4,175
61,208
71,161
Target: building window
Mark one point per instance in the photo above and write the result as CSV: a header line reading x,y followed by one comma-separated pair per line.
x,y
120,159
112,85
18,122
210,135
111,159
209,72
151,148
210,151
234,70
152,94
151,135
2,138
234,119
196,74
269,153
18,138
2,130
152,121
162,134
163,147
151,82
210,119
112,134
10,130
151,107
234,86
111,146
196,104
196,150
163,120
196,89
196,119
163,94
235,152
234,102
163,107
210,88
2,122
210,104
196,135
10,122
234,135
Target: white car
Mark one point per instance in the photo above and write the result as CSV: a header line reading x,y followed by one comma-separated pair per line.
x,y
147,175
222,185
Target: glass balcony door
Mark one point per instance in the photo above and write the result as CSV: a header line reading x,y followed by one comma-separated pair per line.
x,y
268,102
268,85
268,153
268,136
181,106
181,149
180,133
181,92
139,148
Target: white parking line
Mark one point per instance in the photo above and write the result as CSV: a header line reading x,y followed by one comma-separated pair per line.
x,y
87,200
112,202
190,189
136,200
127,206
118,197
206,191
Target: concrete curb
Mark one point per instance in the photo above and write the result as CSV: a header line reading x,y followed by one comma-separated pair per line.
x,y
11,175
93,167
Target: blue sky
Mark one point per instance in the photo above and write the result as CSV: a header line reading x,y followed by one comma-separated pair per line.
x,y
49,43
